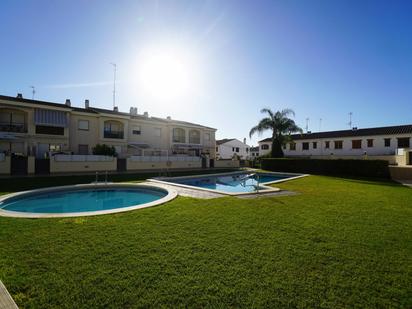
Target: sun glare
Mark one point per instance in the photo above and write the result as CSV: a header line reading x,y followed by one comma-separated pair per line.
x,y
165,74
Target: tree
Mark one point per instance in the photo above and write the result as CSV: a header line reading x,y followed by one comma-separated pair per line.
x,y
280,125
104,150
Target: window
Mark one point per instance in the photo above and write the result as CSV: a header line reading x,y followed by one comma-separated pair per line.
x,y
237,149
113,129
84,149
83,125
233,149
217,148
370,143
55,148
305,146
207,136
327,144
49,130
194,137
12,121
264,147
292,146
357,144
158,132
403,142
338,144
314,145
179,135
136,130
387,142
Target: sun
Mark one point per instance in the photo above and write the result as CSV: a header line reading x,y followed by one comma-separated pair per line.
x,y
166,73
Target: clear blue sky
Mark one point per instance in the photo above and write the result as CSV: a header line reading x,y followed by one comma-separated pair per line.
x,y
323,59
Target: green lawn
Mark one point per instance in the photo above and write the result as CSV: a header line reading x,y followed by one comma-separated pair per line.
x,y
340,243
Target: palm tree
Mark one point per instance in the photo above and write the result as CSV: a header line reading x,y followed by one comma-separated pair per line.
x,y
280,125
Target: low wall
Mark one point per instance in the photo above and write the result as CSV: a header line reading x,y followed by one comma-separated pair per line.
x,y
82,166
392,159
401,173
4,165
227,163
133,165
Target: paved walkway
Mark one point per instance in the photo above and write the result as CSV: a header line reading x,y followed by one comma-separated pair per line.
x,y
6,302
208,195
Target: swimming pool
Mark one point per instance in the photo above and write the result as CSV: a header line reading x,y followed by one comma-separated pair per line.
x,y
82,200
230,183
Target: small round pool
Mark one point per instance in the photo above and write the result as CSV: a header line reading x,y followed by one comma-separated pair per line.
x,y
82,200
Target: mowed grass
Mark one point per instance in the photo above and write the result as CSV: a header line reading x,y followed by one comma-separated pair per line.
x,y
340,243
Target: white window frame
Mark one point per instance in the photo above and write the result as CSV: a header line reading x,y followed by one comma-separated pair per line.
x,y
79,126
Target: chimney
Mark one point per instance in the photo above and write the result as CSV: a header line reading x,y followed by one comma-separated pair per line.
x,y
115,109
133,110
68,103
86,104
169,118
146,114
19,96
244,140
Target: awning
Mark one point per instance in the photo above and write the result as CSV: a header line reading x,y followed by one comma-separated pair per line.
x,y
50,118
7,136
138,145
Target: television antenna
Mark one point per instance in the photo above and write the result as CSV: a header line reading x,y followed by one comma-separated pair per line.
x,y
350,120
33,91
114,83
320,124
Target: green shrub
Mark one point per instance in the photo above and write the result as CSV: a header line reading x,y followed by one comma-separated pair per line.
x,y
336,167
104,150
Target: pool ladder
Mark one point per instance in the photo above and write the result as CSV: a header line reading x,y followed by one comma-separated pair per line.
x,y
97,178
255,176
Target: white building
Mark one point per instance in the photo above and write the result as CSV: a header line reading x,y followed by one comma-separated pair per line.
x,y
229,147
369,142
254,152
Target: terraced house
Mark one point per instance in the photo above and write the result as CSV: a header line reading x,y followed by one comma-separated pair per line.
x,y
391,143
37,129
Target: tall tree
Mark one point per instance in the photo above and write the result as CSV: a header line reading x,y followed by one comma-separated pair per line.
x,y
281,126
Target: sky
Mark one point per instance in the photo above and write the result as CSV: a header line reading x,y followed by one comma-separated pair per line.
x,y
216,63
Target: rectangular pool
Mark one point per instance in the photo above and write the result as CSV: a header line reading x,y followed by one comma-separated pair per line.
x,y
230,183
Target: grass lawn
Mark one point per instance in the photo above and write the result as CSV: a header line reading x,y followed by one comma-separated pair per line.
x,y
341,243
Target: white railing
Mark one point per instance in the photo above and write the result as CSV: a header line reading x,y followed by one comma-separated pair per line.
x,y
82,158
164,158
2,157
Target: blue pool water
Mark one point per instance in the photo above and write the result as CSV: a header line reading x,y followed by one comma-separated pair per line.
x,y
82,200
239,183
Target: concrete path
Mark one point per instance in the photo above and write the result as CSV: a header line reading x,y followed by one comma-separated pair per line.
x,y
208,195
6,302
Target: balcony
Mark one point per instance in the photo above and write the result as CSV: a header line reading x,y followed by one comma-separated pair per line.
x,y
113,134
13,127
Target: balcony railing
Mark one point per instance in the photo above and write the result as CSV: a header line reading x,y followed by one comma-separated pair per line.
x,y
13,127
113,134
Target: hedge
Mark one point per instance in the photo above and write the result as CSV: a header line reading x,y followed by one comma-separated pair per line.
x,y
335,167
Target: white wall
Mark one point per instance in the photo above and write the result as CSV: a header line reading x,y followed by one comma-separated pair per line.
x,y
377,149
226,150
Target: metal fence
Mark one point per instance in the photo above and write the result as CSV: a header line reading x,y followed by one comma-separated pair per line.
x,y
82,158
165,158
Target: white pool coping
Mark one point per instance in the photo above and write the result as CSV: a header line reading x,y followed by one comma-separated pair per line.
x,y
171,194
267,189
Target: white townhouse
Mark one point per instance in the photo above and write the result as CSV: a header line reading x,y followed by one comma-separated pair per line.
x,y
392,143
229,147
254,152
